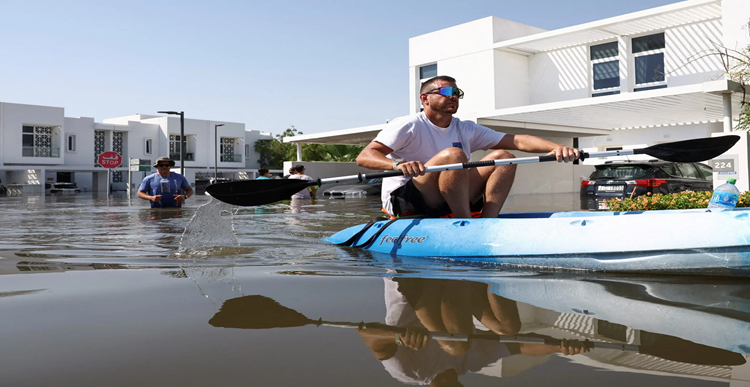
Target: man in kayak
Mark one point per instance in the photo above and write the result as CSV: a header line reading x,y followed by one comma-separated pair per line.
x,y
435,137
163,188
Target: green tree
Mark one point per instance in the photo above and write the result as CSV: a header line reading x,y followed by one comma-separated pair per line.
x,y
275,151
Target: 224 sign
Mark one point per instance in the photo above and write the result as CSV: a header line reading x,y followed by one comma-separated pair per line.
x,y
723,165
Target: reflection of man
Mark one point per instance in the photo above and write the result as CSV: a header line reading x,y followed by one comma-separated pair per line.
x,y
423,305
163,188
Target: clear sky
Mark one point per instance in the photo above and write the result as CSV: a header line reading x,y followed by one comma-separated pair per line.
x,y
318,65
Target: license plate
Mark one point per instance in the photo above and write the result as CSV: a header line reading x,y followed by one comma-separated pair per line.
x,y
610,188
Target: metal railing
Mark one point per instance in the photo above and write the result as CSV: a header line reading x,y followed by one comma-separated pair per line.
x,y
35,151
231,158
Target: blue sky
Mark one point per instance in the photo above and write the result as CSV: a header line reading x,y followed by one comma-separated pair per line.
x,y
318,65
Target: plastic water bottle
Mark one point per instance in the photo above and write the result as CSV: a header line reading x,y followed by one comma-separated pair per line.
x,y
164,186
725,196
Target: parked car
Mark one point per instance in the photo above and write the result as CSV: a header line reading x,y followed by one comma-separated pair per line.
x,y
368,188
64,188
634,178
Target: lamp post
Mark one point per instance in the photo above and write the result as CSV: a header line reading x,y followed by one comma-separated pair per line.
x,y
182,138
216,151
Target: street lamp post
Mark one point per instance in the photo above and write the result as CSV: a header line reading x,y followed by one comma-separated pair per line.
x,y
182,138
216,151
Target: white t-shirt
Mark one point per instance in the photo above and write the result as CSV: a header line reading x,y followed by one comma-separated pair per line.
x,y
421,367
415,138
305,192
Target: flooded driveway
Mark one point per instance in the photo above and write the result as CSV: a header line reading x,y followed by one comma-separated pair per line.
x,y
98,291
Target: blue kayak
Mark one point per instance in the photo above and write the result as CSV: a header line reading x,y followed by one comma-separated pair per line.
x,y
648,241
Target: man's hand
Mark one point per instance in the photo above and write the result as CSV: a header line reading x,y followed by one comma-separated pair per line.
x,y
565,153
574,347
156,198
412,168
415,338
179,198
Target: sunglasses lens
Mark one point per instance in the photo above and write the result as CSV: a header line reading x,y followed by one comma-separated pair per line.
x,y
450,91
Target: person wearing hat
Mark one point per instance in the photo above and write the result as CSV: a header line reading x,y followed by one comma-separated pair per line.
x,y
164,187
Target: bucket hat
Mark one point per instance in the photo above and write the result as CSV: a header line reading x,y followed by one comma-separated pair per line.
x,y
171,162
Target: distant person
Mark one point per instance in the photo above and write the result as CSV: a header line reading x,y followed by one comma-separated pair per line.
x,y
299,174
164,187
291,172
264,174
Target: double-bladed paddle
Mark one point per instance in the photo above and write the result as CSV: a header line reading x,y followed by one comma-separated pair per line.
x,y
257,192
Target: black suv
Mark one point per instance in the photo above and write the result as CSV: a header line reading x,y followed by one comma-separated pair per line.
x,y
625,179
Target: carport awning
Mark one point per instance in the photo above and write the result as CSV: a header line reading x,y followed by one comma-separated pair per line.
x,y
700,103
355,136
654,19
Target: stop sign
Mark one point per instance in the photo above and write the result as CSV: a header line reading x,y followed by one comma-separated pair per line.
x,y
109,159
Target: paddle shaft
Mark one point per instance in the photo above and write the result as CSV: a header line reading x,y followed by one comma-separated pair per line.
x,y
474,337
362,177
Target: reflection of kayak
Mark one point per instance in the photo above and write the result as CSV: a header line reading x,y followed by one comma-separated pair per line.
x,y
711,311
664,241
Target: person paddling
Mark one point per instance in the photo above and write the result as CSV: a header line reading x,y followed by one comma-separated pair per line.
x,y
435,137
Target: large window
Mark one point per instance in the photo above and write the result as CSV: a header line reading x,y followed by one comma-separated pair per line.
x,y
648,52
227,151
148,146
605,65
425,73
38,140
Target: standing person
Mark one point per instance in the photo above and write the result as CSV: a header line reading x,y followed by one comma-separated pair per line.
x,y
163,187
263,174
435,137
299,174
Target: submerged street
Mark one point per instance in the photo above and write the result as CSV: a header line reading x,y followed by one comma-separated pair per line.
x,y
106,291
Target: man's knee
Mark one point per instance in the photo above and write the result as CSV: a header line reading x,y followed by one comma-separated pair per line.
x,y
499,154
450,155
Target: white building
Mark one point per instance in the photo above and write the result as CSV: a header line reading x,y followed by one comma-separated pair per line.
x,y
39,146
625,82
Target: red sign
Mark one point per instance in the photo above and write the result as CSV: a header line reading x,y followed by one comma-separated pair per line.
x,y
110,159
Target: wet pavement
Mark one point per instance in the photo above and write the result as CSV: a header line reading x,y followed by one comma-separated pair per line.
x,y
98,291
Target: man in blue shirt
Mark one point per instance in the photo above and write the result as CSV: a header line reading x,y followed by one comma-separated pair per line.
x,y
164,187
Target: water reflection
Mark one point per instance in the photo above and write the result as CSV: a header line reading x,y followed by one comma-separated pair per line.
x,y
537,317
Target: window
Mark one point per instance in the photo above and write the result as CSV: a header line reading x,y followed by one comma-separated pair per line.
x,y
71,143
648,52
227,151
605,68
708,172
149,146
427,72
174,146
37,141
247,151
689,170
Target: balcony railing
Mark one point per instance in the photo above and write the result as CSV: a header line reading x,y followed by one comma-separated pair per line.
x,y
35,151
176,156
231,158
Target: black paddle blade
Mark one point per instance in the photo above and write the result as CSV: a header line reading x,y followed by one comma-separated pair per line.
x,y
699,149
256,312
257,192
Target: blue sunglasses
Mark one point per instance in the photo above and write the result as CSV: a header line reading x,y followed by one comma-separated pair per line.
x,y
448,91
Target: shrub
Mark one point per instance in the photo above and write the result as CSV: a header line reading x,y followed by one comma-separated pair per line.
x,y
673,201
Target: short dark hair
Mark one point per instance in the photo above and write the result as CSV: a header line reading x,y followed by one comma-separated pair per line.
x,y
299,168
262,171
430,83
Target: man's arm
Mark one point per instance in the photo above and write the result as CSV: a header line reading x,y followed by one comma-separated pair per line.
x,y
145,196
533,144
373,157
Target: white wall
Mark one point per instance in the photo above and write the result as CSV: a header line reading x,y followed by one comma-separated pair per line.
x,y
559,75
686,59
12,119
252,157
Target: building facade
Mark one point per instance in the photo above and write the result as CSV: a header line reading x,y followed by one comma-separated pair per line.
x,y
40,146
625,82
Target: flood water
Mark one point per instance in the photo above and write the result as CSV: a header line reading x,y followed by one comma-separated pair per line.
x,y
98,291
